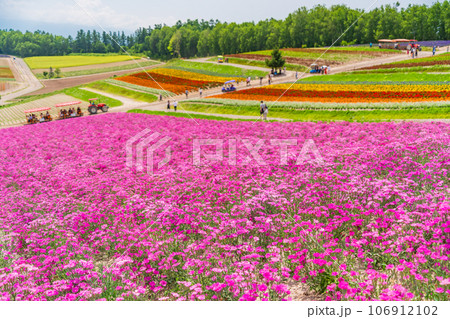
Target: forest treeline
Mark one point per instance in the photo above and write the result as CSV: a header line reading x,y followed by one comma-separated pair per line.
x,y
318,26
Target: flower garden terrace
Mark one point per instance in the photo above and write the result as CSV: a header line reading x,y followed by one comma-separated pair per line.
x,y
179,76
371,222
344,93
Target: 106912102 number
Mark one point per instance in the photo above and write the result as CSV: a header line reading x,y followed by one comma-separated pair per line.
x,y
403,310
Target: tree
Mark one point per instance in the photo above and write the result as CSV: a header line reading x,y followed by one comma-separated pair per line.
x,y
175,44
51,74
277,61
58,72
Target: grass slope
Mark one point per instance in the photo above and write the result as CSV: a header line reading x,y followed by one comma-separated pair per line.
x,y
329,56
187,115
379,77
262,64
84,95
117,90
45,62
439,57
214,69
312,116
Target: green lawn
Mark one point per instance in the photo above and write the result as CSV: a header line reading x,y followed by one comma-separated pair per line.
x,y
187,115
45,62
439,57
262,64
138,87
84,95
379,77
363,48
214,69
314,116
416,69
329,56
113,89
103,70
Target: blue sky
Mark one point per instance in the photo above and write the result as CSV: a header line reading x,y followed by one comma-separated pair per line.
x,y
66,16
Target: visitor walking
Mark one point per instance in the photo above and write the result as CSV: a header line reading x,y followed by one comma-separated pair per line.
x,y
160,97
260,80
200,91
434,50
296,75
168,104
175,105
187,93
264,110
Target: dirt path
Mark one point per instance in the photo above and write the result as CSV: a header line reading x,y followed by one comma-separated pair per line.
x,y
25,78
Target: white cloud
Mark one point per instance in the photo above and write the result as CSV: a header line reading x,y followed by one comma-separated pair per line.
x,y
89,13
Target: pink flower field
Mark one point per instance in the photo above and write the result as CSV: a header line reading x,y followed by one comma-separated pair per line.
x,y
372,222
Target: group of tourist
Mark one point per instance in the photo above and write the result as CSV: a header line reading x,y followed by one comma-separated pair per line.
x,y
414,52
175,105
33,119
64,114
321,70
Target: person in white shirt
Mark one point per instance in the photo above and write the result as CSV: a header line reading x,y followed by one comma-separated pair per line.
x,y
175,105
264,110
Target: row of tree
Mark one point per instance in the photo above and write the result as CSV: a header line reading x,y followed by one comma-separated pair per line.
x,y
319,26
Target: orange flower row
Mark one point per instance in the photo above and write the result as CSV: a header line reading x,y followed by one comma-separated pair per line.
x,y
268,94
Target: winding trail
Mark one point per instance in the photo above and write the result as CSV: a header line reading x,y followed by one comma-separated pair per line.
x,y
25,78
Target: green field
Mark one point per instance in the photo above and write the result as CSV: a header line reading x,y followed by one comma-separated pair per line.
x,y
379,77
186,115
6,73
361,48
117,90
214,69
417,69
138,88
84,95
45,62
439,57
324,115
329,56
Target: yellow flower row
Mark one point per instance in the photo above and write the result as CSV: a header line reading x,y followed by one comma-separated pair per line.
x,y
192,75
365,88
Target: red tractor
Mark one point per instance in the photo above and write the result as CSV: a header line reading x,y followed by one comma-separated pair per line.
x,y
93,108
